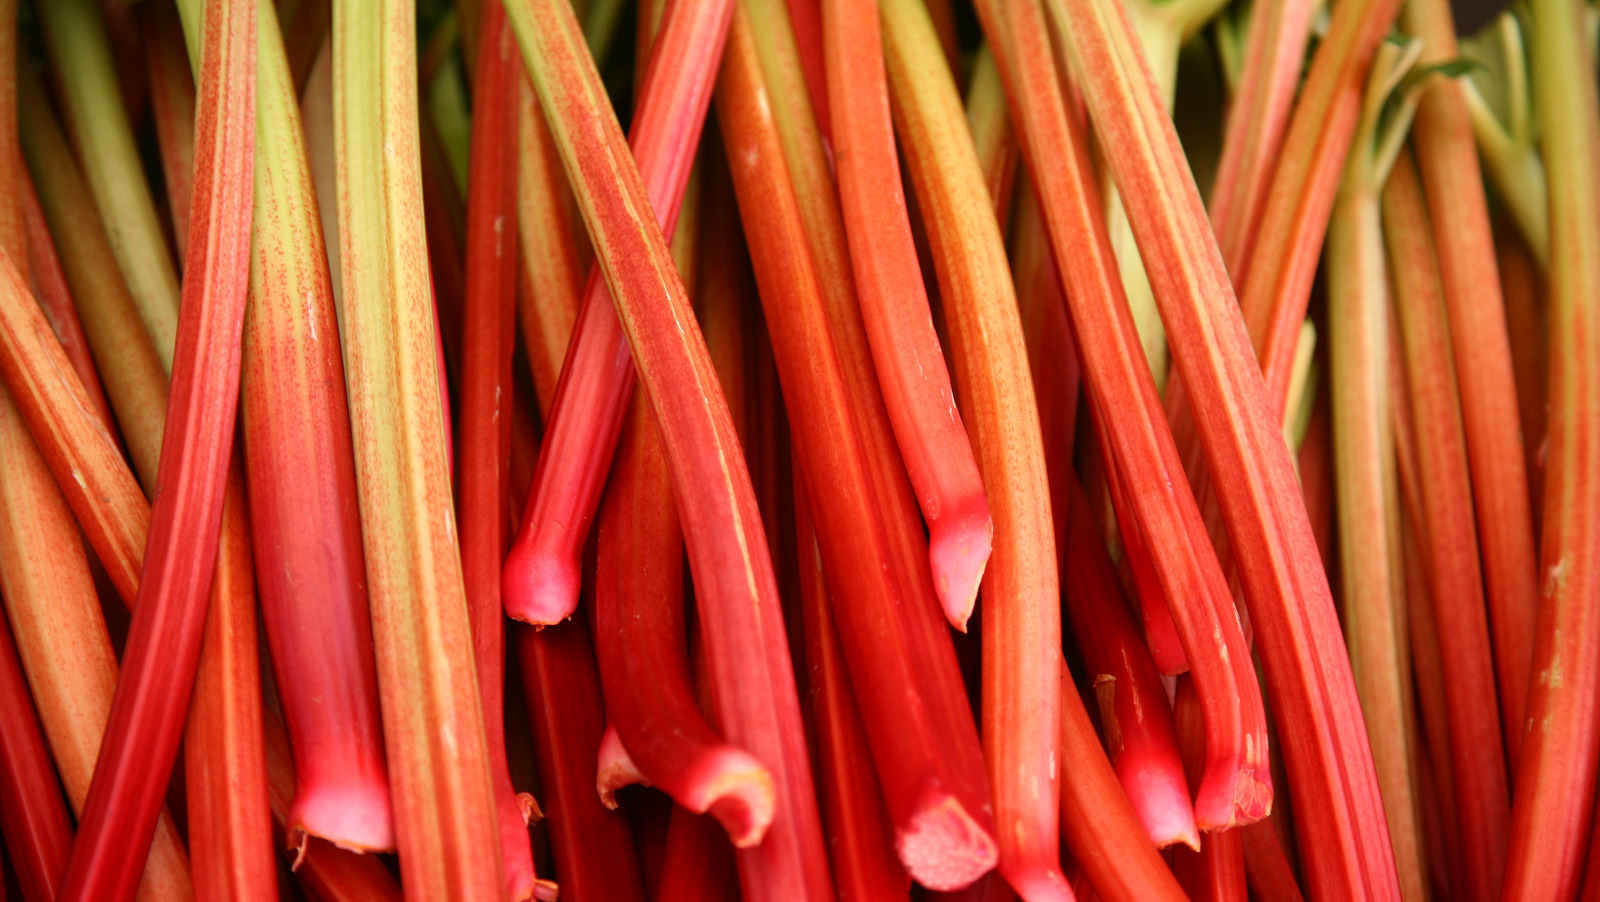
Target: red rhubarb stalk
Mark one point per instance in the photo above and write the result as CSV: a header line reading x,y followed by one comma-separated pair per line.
x,y
541,575
643,650
1555,782
1307,667
1448,160
1472,710
752,677
697,862
488,340
1236,786
1216,871
50,287
33,816
923,739
163,647
894,306
172,100
1022,613
313,593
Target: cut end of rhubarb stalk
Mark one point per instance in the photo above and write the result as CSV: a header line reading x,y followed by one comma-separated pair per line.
x,y
736,790
943,847
546,890
616,769
1241,797
1161,803
356,817
958,553
539,589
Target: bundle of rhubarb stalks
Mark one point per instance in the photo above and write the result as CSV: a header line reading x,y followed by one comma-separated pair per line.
x,y
968,450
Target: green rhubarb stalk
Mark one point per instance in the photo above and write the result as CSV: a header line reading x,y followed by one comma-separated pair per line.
x,y
1367,487
1500,107
438,756
1555,781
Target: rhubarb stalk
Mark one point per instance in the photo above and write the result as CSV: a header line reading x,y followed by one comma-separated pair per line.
x,y
33,818
163,648
1307,668
1556,773
439,765
1022,614
894,306
736,591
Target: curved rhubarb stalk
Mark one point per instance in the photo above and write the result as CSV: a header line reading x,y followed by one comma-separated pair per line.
x,y
1448,160
1291,610
438,757
1215,871
928,761
859,831
488,340
542,572
741,620
98,123
1472,709
1555,784
163,647
615,769
313,593
1022,613
894,306
642,647
1237,784
33,817
55,299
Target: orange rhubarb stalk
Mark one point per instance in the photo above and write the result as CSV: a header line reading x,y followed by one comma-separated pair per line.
x,y
752,678
1555,783
1022,613
1291,610
163,649
894,306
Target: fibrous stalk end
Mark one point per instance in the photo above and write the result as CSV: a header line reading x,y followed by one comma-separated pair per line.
x,y
354,816
739,793
943,847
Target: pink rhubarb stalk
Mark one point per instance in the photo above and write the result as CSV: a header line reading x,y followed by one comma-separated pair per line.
x,y
894,307
751,674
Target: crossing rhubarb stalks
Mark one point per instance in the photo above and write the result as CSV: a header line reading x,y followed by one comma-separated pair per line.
x,y
1308,674
33,817
593,847
78,44
488,342
1237,783
1448,160
55,299
923,739
1368,492
642,646
1477,758
741,620
541,574
1257,117
1510,147
314,602
859,831
1022,614
894,306
163,647
1554,794
439,765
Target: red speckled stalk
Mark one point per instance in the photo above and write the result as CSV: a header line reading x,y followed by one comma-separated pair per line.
x,y
643,651
1478,761
1236,786
1291,610
741,619
541,574
894,306
593,847
313,592
1447,157
859,831
927,760
488,341
163,647
1555,782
